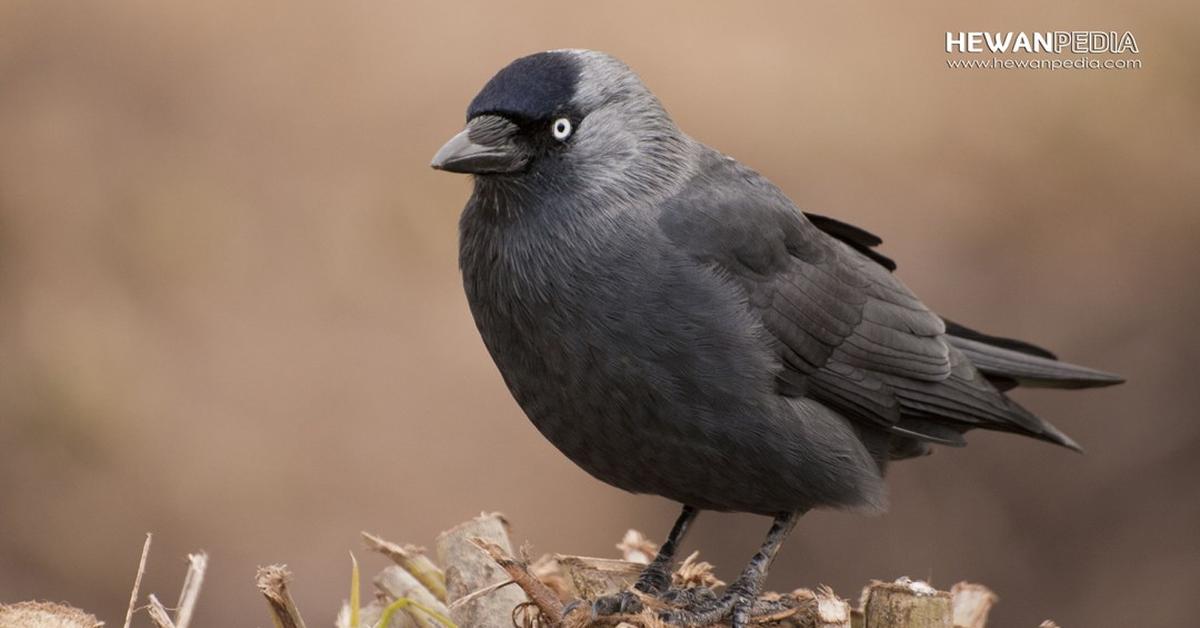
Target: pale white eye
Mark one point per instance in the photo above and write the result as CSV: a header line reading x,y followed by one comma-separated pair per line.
x,y
561,129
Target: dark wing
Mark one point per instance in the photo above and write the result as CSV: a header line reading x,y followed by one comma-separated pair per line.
x,y
848,333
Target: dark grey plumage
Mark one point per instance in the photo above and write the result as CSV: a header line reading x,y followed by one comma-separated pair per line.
x,y
675,325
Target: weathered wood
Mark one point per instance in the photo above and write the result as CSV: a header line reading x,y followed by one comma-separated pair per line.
x,y
369,616
491,587
905,604
413,560
397,583
538,592
468,569
46,615
596,577
971,604
824,610
547,569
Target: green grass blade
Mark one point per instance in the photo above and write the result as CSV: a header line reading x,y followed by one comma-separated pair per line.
x,y
403,603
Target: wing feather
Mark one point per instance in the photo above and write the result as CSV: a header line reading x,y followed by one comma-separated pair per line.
x,y
847,332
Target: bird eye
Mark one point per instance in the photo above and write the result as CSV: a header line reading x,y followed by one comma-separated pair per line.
x,y
561,129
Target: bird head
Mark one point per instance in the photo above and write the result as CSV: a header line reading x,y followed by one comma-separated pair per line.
x,y
564,117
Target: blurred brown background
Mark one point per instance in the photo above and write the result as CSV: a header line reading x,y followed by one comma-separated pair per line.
x,y
230,311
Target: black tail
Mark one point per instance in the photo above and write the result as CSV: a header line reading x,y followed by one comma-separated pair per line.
x,y
1008,363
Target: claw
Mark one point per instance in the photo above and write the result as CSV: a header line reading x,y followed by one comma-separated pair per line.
x,y
571,607
623,603
655,579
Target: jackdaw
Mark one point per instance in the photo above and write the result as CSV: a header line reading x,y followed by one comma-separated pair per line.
x,y
675,325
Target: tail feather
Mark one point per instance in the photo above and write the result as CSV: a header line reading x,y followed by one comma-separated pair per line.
x,y
1031,370
1020,346
1011,362
1044,429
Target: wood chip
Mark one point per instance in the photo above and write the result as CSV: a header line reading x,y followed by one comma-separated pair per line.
x,y
46,615
468,570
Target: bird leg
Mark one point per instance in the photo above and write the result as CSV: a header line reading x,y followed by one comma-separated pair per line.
x,y
655,579
740,600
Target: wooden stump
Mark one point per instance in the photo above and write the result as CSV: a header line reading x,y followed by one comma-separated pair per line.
x,y
905,604
468,569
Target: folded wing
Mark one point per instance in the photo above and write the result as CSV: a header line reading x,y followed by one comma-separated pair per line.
x,y
847,332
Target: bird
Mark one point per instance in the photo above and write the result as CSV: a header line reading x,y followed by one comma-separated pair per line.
x,y
675,325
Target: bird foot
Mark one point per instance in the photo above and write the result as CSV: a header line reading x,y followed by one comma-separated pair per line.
x,y
623,603
739,612
653,582
691,606
690,597
700,606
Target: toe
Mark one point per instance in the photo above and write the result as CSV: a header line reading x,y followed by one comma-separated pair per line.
x,y
630,603
572,606
691,597
654,580
704,612
620,604
740,615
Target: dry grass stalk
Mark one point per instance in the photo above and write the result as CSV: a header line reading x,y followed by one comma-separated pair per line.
x,y
45,615
413,560
539,594
478,554
810,609
272,582
636,548
159,614
693,572
197,564
548,570
831,611
488,590
137,581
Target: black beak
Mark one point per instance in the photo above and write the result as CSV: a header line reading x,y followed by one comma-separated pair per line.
x,y
461,154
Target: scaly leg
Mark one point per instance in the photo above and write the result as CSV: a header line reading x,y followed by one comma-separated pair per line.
x,y
655,579
739,599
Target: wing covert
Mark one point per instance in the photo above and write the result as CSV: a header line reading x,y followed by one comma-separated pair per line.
x,y
847,332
